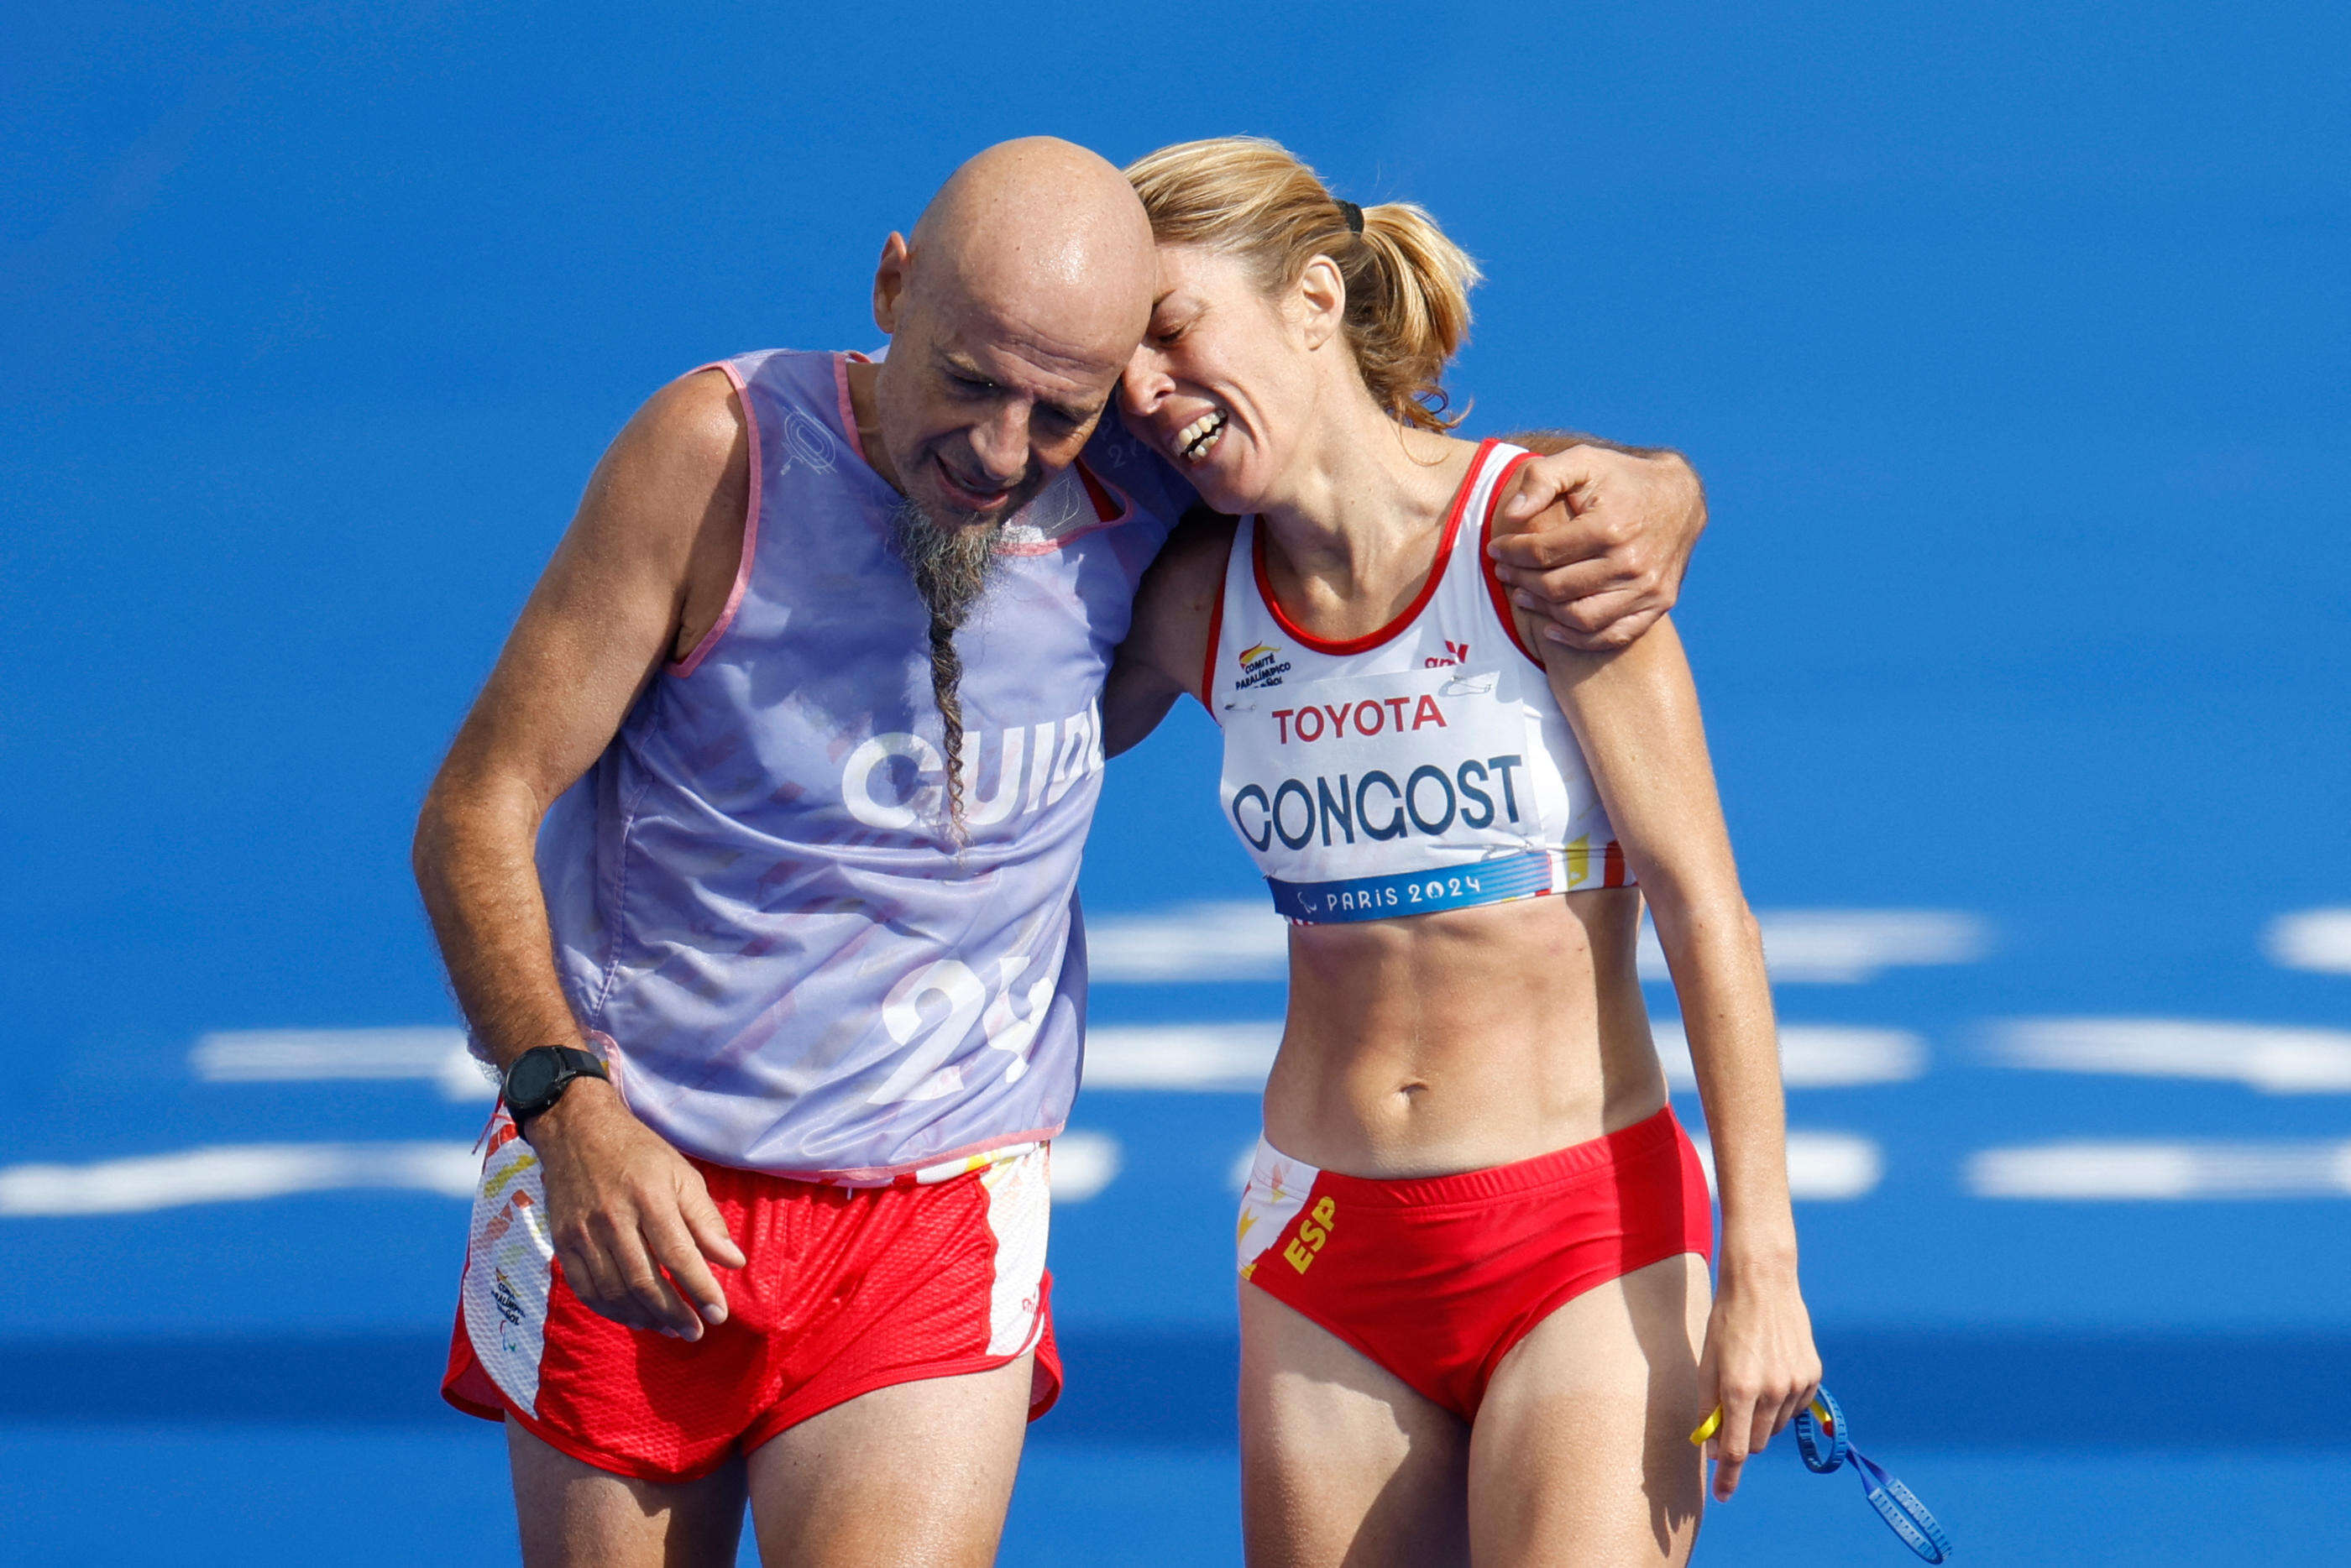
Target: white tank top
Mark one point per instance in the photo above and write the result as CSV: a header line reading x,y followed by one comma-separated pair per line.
x,y
1424,766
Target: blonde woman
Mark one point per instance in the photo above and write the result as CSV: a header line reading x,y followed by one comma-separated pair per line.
x,y
1475,1322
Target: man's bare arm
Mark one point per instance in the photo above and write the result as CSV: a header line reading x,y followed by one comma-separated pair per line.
x,y
637,576
1602,571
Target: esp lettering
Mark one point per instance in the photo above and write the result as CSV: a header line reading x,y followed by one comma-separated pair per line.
x,y
1313,1231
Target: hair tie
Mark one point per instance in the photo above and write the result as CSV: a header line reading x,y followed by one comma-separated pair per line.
x,y
1354,215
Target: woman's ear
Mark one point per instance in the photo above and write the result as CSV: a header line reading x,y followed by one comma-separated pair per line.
x,y
1320,301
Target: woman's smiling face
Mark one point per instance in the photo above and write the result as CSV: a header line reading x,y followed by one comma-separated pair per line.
x,y
1224,378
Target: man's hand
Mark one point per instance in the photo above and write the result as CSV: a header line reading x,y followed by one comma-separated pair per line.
x,y
632,1220
1603,568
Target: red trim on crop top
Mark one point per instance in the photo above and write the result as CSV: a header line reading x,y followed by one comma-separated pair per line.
x,y
1370,640
1494,590
1216,630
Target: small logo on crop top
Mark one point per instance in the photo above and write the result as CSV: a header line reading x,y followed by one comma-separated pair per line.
x,y
1261,666
1455,653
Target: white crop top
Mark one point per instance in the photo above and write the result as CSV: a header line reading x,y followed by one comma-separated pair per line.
x,y
1424,766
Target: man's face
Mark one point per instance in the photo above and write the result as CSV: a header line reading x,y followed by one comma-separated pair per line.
x,y
990,392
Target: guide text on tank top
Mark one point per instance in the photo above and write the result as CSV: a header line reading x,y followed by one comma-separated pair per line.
x,y
753,893
1425,767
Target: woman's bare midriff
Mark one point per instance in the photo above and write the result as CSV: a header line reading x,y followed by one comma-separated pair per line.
x,y
1454,1042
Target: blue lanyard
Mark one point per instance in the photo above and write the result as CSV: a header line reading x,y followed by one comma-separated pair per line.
x,y
1821,1438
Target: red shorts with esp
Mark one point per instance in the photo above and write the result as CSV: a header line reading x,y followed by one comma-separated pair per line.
x,y
846,1290
1436,1279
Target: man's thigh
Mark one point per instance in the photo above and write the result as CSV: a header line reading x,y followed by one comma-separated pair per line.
x,y
574,1515
1342,1461
915,1475
1582,1451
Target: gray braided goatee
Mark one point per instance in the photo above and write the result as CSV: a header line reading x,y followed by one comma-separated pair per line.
x,y
946,690
950,567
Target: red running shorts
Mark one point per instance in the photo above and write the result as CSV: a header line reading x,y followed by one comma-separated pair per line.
x,y
845,1290
1436,1278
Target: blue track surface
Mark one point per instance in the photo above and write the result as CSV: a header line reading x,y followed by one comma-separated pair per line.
x,y
2012,349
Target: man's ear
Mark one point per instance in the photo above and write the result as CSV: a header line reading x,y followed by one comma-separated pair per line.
x,y
1321,301
890,276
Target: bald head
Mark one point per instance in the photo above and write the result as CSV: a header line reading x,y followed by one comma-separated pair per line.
x,y
1046,233
1011,313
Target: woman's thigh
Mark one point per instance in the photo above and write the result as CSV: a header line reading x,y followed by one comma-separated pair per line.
x,y
1342,1465
1582,1451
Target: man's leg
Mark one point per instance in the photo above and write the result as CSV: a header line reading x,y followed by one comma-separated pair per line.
x,y
916,1475
576,1516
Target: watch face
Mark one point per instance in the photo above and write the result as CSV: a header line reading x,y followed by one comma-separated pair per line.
x,y
531,1078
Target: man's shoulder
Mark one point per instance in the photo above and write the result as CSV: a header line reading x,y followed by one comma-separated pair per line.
x,y
1116,455
688,435
797,403
798,375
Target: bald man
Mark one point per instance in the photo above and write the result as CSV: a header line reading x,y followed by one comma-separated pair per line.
x,y
754,869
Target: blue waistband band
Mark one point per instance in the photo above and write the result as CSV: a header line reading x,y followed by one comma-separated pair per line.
x,y
1523,875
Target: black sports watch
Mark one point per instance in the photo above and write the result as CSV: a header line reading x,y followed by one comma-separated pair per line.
x,y
538,1077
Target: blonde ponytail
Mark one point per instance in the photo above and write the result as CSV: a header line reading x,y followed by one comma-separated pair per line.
x,y
1407,285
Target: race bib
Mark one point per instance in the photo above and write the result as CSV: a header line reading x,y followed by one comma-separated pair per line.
x,y
1341,787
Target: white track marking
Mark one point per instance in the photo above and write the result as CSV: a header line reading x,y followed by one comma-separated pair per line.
x,y
1823,1166
1239,939
1812,1055
235,1173
1199,1056
2272,1058
2317,940
1083,1164
2111,1170
1174,1056
1158,1056
1849,947
316,1055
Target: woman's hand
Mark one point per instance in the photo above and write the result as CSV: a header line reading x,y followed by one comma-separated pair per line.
x,y
1759,1364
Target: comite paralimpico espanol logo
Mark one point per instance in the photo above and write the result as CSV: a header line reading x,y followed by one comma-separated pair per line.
x,y
1261,666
